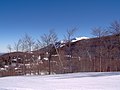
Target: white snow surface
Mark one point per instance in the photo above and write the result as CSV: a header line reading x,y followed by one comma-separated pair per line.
x,y
74,81
79,38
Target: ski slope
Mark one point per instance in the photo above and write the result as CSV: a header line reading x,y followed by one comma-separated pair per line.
x,y
74,81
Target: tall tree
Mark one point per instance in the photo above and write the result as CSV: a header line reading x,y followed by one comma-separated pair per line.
x,y
36,46
47,41
114,27
27,43
9,47
99,33
17,45
70,33
68,37
17,48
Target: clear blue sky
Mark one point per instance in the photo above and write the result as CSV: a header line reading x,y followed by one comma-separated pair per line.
x,y
36,17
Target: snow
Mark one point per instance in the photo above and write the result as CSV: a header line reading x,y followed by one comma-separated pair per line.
x,y
75,81
39,57
79,38
45,58
62,43
2,69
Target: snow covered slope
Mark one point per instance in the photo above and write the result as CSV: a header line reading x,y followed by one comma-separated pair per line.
x,y
77,81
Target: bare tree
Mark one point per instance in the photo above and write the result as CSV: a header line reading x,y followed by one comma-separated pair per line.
x,y
22,45
17,48
70,33
114,28
27,43
9,48
54,40
47,41
68,37
36,46
99,33
17,45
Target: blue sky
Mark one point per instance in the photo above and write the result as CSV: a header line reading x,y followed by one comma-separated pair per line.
x,y
37,17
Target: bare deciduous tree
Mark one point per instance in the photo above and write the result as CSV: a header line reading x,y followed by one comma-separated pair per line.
x,y
47,41
17,48
70,33
27,43
17,45
9,48
36,46
99,33
68,37
115,30
115,27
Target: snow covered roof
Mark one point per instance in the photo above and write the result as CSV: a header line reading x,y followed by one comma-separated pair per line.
x,y
62,43
79,38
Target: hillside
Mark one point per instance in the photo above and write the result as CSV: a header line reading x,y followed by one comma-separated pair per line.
x,y
79,55
1,54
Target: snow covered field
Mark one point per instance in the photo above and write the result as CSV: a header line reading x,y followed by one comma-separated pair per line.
x,y
77,81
